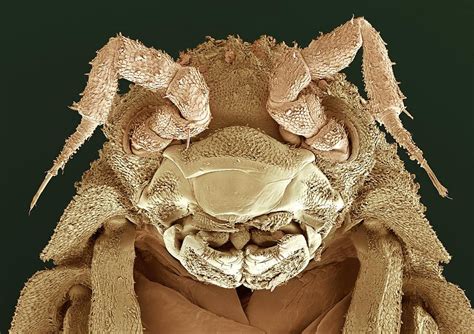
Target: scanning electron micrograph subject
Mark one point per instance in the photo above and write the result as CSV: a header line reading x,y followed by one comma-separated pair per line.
x,y
244,188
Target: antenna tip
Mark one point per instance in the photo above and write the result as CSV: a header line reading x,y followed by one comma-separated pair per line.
x,y
43,185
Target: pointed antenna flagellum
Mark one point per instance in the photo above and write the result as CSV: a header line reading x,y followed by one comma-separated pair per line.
x,y
43,185
394,126
84,130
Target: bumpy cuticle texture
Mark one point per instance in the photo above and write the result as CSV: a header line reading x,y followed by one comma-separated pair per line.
x,y
244,188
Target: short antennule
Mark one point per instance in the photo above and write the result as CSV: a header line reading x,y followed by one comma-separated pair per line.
x,y
394,126
83,131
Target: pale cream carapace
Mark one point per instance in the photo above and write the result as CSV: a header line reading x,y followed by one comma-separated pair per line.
x,y
250,165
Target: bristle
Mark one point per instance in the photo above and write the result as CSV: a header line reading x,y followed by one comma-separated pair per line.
x,y
407,113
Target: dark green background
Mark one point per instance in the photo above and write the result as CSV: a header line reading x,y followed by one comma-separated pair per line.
x,y
46,49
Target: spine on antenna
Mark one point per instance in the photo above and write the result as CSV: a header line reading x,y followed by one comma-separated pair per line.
x,y
394,126
84,130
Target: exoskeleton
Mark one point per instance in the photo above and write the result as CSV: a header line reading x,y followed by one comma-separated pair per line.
x,y
240,176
